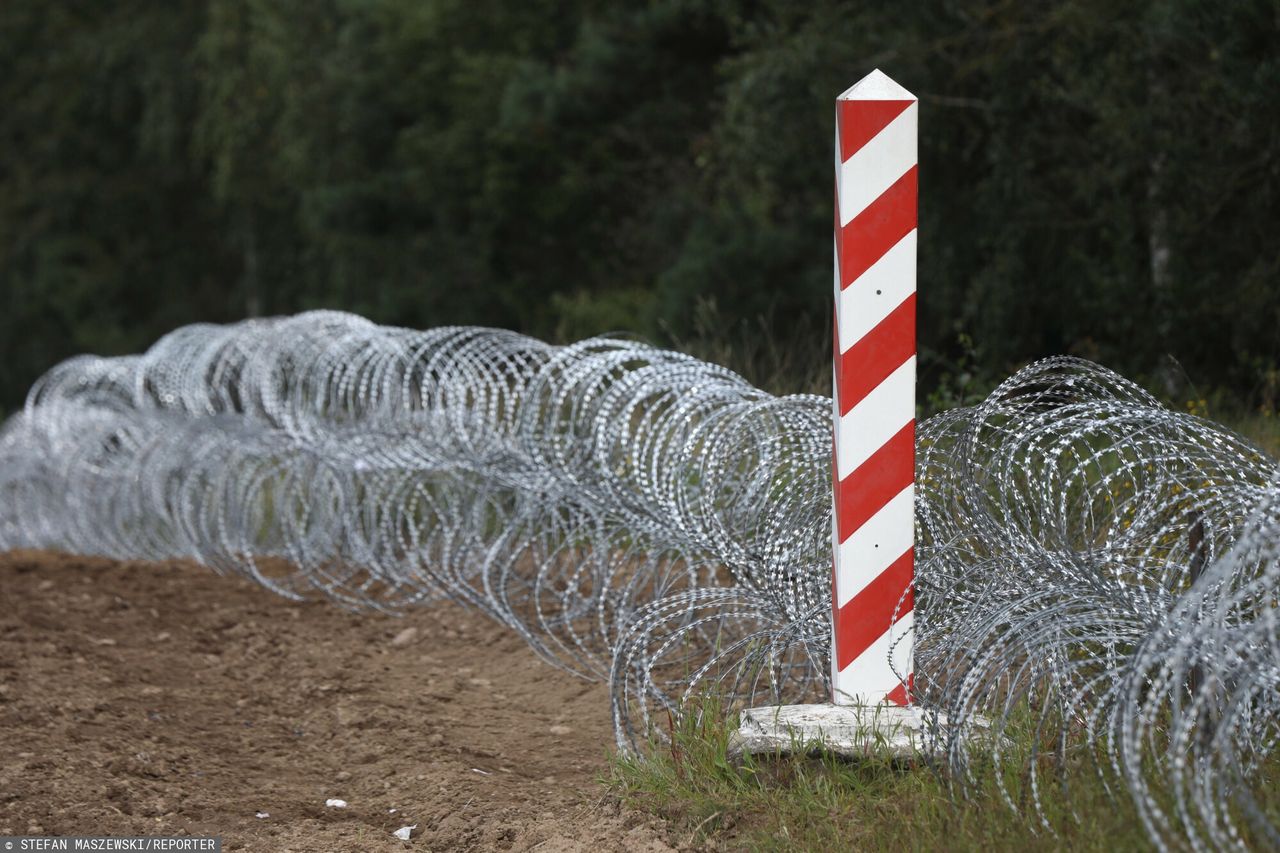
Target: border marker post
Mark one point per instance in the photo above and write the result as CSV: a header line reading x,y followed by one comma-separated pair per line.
x,y
874,393
873,459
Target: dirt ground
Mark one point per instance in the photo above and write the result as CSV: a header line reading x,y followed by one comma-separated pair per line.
x,y
160,698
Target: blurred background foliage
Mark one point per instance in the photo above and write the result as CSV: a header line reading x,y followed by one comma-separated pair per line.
x,y
1098,178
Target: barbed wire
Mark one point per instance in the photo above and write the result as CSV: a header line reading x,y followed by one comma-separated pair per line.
x,y
1091,567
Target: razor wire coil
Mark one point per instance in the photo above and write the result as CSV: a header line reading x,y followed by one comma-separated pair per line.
x,y
1084,555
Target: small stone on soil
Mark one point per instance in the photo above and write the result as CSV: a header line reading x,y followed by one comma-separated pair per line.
x,y
405,637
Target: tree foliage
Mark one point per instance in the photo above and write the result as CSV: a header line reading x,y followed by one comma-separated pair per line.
x,y
1097,178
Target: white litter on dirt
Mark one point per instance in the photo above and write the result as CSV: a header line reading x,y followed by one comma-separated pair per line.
x,y
405,637
336,803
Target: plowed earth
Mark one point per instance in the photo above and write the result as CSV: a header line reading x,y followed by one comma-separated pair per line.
x,y
163,699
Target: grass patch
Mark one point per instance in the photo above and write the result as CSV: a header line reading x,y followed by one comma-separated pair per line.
x,y
1262,428
825,803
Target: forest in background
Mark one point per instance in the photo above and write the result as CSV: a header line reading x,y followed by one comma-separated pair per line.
x,y
1097,178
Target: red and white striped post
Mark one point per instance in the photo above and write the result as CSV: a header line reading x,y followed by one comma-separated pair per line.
x,y
874,456
874,392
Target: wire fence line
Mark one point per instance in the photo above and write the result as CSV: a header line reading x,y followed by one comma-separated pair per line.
x,y
1091,566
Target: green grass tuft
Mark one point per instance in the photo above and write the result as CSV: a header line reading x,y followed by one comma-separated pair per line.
x,y
821,802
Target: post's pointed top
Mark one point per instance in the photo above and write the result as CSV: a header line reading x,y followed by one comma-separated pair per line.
x,y
876,86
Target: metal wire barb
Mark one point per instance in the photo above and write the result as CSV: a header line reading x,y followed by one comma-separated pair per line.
x,y
1092,568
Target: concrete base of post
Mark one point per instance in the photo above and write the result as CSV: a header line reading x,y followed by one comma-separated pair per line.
x,y
851,731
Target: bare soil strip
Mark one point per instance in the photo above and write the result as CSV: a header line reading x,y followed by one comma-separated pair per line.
x,y
160,698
